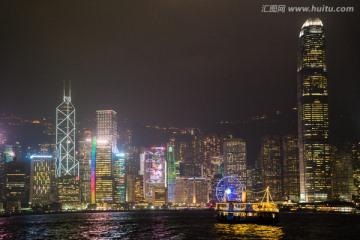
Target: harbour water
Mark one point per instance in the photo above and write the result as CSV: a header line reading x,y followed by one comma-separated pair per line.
x,y
175,225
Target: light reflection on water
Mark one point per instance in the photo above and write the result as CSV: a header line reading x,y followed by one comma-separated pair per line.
x,y
249,231
175,225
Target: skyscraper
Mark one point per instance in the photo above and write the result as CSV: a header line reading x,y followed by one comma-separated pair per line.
x,y
155,175
119,178
290,152
105,148
84,157
313,116
271,165
40,179
66,164
343,187
171,170
235,159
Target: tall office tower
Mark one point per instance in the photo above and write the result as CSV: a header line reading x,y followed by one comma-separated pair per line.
x,y
171,170
343,187
155,171
132,170
197,147
41,179
211,148
119,178
66,166
181,149
15,185
234,151
290,152
313,115
66,163
105,149
84,157
271,165
139,189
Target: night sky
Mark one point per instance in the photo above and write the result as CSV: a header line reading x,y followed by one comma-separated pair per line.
x,y
168,62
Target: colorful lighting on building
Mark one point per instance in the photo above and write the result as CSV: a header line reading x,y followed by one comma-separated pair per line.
x,y
93,162
40,156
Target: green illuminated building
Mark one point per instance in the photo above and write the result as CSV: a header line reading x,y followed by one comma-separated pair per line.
x,y
171,171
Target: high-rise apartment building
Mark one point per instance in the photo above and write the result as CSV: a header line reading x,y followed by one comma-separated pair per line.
x,y
313,114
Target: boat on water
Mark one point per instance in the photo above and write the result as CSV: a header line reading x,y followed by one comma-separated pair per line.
x,y
264,212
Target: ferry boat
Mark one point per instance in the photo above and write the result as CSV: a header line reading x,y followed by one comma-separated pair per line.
x,y
264,212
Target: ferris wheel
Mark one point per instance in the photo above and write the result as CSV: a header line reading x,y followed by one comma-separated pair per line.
x,y
229,189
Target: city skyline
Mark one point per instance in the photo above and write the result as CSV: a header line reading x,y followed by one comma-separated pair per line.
x,y
209,65
179,119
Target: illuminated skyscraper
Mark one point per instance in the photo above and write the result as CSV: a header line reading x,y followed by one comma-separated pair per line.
x,y
155,171
211,148
235,159
84,157
343,187
40,179
171,169
105,150
270,160
15,185
66,164
290,152
313,116
119,178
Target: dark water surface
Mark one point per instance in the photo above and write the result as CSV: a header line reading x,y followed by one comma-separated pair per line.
x,y
175,225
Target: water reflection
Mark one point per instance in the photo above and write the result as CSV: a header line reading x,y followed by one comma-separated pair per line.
x,y
249,231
